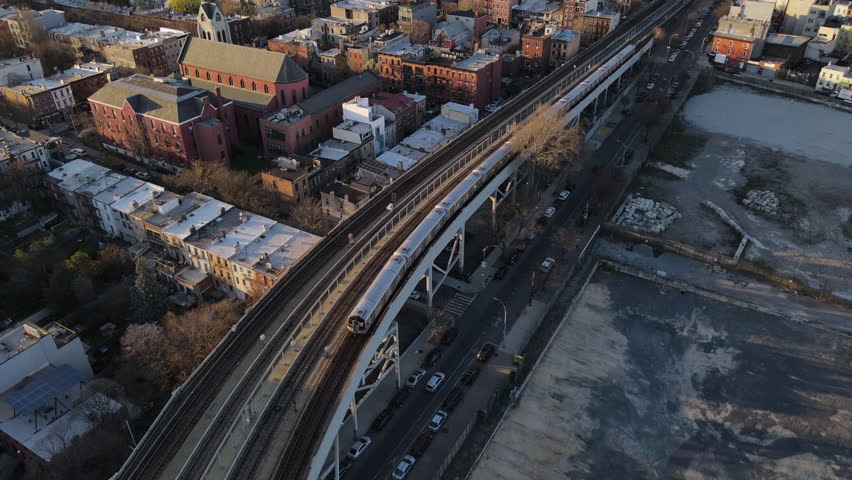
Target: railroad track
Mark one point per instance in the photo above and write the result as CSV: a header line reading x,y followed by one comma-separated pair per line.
x,y
182,413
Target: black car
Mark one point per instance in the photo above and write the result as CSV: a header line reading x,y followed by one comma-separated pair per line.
x,y
382,420
432,358
400,397
449,336
485,352
422,443
501,272
470,375
453,399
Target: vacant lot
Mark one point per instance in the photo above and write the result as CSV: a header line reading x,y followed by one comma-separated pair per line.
x,y
648,382
810,235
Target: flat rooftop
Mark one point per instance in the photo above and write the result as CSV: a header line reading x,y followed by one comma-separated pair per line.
x,y
276,249
77,173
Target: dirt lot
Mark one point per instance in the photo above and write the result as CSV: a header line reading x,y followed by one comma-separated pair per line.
x,y
644,381
810,236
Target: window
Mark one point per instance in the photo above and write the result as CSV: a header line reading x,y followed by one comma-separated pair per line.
x,y
295,100
219,138
218,78
231,81
266,89
254,86
208,75
174,130
242,83
196,73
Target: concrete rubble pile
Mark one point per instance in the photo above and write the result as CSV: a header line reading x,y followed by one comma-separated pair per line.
x,y
646,215
762,201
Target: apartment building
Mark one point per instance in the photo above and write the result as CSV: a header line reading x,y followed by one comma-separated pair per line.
x,y
40,100
195,242
298,130
422,11
19,69
373,13
32,22
15,149
441,75
298,45
165,119
500,11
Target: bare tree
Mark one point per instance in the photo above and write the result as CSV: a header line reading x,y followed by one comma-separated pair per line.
x,y
232,186
546,141
477,6
419,31
692,16
722,9
102,404
308,215
568,240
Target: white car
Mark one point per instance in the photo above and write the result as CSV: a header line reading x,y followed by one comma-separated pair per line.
x,y
699,23
549,212
435,382
437,420
415,377
673,58
79,152
563,195
414,295
547,264
684,43
651,86
405,466
359,447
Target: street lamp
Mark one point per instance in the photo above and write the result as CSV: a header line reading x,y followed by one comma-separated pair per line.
x,y
669,43
505,313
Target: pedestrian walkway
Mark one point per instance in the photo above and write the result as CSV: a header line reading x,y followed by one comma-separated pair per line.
x,y
459,303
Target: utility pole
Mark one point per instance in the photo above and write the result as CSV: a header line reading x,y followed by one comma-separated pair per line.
x,y
532,287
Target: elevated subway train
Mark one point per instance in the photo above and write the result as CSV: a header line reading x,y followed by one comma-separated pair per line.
x,y
370,305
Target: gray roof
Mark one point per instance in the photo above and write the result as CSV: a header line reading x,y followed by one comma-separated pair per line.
x,y
238,60
154,97
208,8
249,98
339,93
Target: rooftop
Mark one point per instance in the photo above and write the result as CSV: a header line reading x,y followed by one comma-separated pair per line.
x,y
16,60
477,62
235,230
276,249
564,35
364,5
139,196
538,6
340,189
17,339
257,100
333,150
115,192
340,92
77,173
286,116
787,40
400,157
735,36
12,145
100,184
156,97
248,62
208,211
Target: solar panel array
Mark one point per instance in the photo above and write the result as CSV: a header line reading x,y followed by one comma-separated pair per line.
x,y
43,390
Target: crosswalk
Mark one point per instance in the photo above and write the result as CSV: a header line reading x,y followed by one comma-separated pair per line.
x,y
459,303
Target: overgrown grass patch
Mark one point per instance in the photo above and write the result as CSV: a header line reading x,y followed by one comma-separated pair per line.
x,y
679,144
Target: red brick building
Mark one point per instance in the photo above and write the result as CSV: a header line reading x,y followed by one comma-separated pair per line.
x,y
598,24
466,80
572,15
500,11
257,81
165,120
301,51
737,49
409,109
298,130
535,51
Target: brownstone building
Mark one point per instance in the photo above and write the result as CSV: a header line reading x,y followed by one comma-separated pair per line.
x,y
535,50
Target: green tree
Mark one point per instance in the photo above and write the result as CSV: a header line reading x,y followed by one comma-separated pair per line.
x,y
148,301
82,264
184,6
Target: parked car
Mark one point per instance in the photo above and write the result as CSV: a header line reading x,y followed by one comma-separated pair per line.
x,y
438,419
400,397
453,399
564,194
415,377
450,335
405,466
470,375
79,152
422,443
514,258
650,85
143,175
359,447
547,264
381,420
501,272
673,57
550,212
684,43
432,357
435,382
343,467
485,352
414,295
